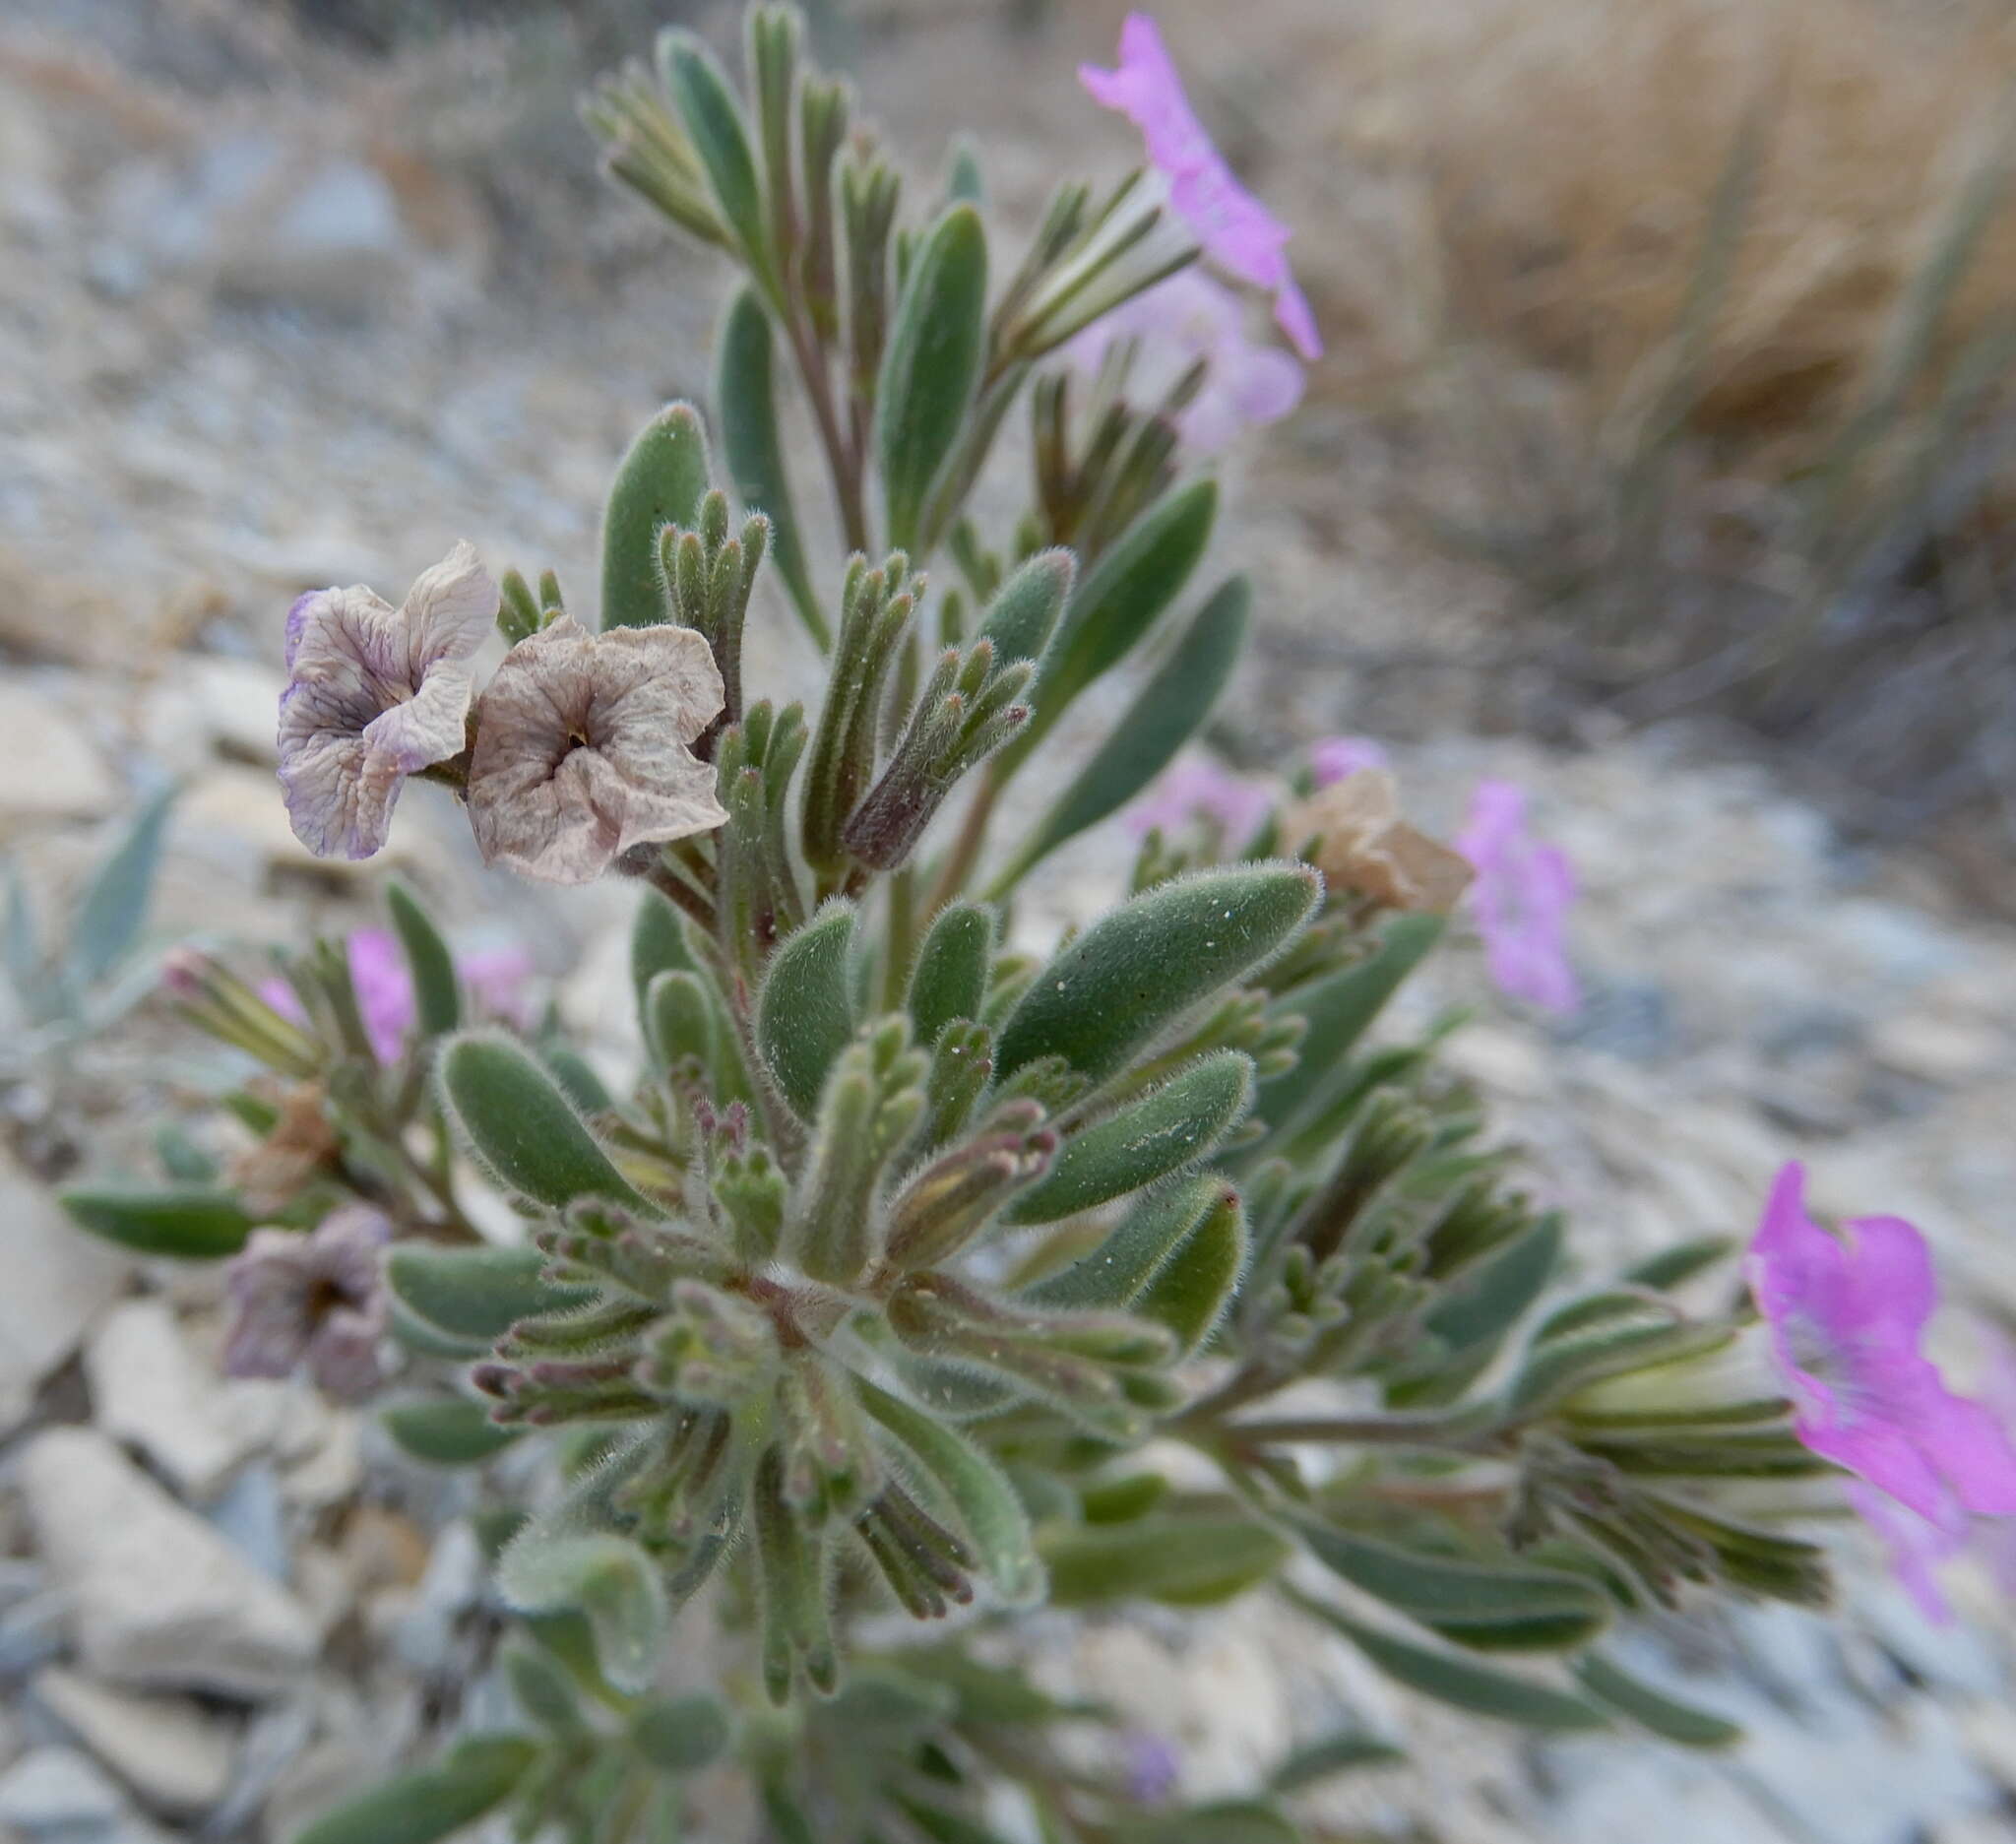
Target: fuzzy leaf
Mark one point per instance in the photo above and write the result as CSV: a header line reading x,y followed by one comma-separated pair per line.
x,y
713,119
114,907
1023,614
1485,1304
1667,1717
1460,1681
658,943
1136,971
981,1494
473,1780
661,483
1177,1125
752,445
190,1222
679,1733
1345,1753
1121,597
437,1000
475,1293
804,1014
1547,1607
446,1430
1120,1269
610,1579
1224,1821
520,1124
1169,709
1599,1335
1193,1561
950,978
930,366
1192,1289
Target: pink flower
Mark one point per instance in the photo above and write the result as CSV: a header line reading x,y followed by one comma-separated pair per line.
x,y
1524,890
1238,234
1197,789
374,694
1179,321
1336,757
1846,1315
1918,1548
316,1298
384,985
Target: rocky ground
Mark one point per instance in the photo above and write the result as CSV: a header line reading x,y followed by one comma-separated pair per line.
x,y
271,319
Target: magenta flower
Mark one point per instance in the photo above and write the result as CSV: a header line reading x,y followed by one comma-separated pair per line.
x,y
1197,789
1846,1315
1336,757
316,1298
375,694
1177,322
1524,890
384,985
1237,232
1918,1548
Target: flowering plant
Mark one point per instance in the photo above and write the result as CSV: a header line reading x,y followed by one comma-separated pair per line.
x,y
869,1293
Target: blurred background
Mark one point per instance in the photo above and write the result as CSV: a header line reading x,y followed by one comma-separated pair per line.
x,y
1664,461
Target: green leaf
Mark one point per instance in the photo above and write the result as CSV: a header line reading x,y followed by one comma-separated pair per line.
x,y
980,1492
521,1126
661,483
1184,1560
1192,1289
1122,597
713,119
1600,1335
1459,1681
1515,1605
1169,709
950,978
1135,972
930,366
475,1778
475,1292
804,1014
608,1578
181,1158
191,1222
437,998
679,1733
430,1340
543,1689
1177,1125
752,445
1023,614
447,1431
1115,1273
658,943
1486,1303
1338,1011
114,908
1667,1717
1345,1753
1671,1267
1226,1821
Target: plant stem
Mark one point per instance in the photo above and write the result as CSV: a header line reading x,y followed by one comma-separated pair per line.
x,y
842,461
966,847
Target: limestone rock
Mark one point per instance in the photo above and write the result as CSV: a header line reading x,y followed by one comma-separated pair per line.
x,y
58,1281
164,1748
58,1795
159,1598
69,780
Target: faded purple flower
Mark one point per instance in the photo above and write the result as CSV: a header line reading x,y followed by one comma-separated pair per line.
x,y
1177,322
1336,757
582,748
1238,234
374,694
1523,891
496,979
1197,789
316,1298
1846,1315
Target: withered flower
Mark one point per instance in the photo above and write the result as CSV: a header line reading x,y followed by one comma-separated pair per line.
x,y
374,694
582,748
270,1177
317,1298
1362,844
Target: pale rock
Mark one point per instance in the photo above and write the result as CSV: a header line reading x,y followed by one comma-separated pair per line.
x,y
150,1389
239,702
166,1748
59,1796
58,1281
67,778
1946,1051
159,1597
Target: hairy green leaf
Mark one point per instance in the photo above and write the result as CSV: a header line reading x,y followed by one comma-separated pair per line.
x,y
447,1431
437,998
114,907
661,483
191,1222
1183,1559
1667,1717
950,978
475,1777
804,1014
